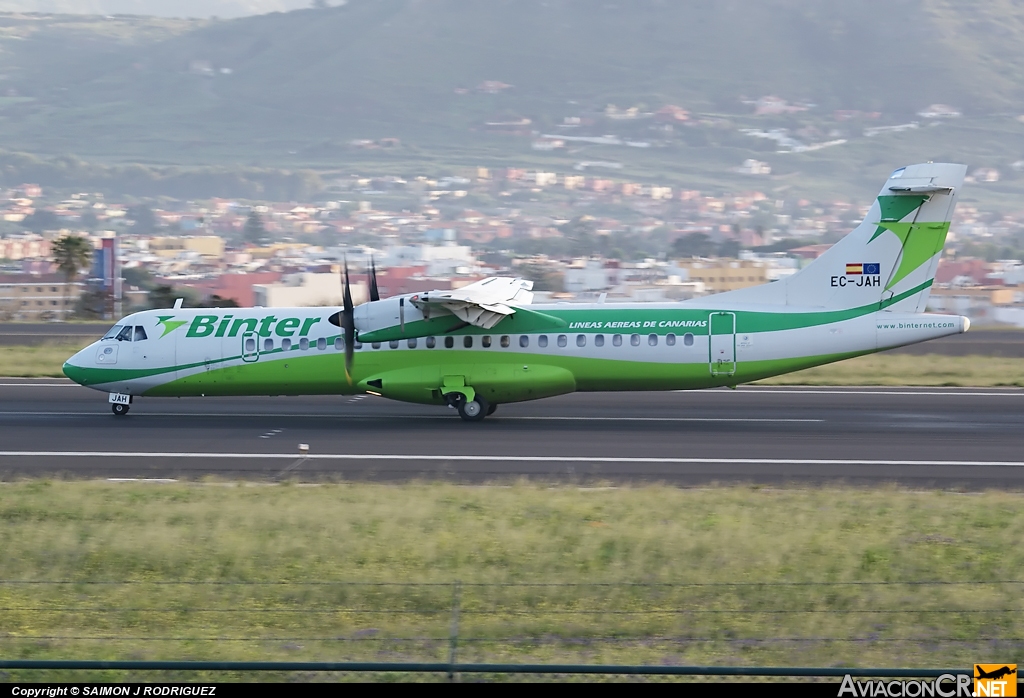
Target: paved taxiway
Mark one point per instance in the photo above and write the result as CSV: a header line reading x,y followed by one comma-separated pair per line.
x,y
944,437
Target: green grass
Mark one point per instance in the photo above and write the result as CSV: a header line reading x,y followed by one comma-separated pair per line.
x,y
906,369
40,361
631,575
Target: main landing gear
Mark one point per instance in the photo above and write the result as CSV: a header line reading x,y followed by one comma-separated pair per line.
x,y
471,410
119,409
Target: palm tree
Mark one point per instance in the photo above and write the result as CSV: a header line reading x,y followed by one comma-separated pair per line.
x,y
72,254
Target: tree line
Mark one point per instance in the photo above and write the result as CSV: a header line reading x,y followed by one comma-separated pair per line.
x,y
70,172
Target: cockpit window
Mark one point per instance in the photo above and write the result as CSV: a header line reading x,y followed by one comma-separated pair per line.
x,y
140,333
113,331
125,335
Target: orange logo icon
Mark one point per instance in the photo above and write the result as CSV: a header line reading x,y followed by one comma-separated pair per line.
x,y
995,680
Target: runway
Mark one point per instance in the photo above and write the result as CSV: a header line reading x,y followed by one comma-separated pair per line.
x,y
921,437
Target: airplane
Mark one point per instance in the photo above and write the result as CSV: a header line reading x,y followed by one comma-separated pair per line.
x,y
995,674
488,344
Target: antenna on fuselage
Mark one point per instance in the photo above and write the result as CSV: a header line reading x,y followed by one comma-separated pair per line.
x,y
178,302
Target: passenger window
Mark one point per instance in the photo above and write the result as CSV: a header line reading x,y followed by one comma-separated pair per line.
x,y
250,345
359,345
617,340
303,344
652,339
486,341
125,335
524,341
688,339
599,340
375,345
286,344
670,339
506,341
581,340
431,342
634,339
321,343
393,344
562,340
339,343
449,342
542,341
140,333
467,342
411,343
268,344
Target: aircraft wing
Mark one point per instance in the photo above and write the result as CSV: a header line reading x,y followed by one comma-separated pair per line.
x,y
482,304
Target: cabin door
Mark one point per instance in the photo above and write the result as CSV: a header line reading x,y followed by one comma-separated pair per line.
x,y
250,347
722,344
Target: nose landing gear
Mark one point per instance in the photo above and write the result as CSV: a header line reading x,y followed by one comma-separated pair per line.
x,y
119,403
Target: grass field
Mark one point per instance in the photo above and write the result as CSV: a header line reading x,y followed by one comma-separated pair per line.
x,y
40,361
877,369
721,575
906,369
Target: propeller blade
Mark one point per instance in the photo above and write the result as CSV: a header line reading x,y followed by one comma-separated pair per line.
x,y
374,293
348,326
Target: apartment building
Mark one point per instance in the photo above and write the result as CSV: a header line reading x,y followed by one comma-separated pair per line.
x,y
37,297
719,275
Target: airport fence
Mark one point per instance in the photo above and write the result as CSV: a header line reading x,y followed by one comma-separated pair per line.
x,y
678,628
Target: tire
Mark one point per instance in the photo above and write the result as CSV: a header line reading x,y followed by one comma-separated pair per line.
x,y
473,410
492,409
119,410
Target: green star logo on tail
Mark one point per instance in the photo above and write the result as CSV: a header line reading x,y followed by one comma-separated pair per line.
x,y
921,241
169,324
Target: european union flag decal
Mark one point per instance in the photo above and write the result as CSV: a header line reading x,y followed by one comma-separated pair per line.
x,y
872,268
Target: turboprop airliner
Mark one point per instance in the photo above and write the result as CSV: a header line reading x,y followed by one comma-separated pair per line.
x,y
486,344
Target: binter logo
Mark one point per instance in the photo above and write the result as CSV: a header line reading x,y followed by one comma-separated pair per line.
x,y
995,680
230,326
169,324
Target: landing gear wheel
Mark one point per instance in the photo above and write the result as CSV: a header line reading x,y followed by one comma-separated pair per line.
x,y
119,410
491,410
473,410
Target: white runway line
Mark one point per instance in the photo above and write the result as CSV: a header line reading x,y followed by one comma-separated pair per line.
x,y
1009,392
505,459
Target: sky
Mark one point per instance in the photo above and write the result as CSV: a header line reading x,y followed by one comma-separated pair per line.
x,y
159,8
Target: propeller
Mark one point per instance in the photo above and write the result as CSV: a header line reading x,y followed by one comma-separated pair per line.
x,y
348,326
374,293
345,319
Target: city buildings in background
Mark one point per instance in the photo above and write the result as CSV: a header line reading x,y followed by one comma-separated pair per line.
x,y
575,235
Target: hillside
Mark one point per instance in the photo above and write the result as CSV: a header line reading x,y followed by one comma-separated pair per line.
x,y
295,89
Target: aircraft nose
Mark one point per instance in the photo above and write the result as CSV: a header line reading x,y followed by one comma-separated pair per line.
x,y
74,367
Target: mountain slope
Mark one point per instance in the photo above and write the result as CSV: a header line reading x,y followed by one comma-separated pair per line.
x,y
287,87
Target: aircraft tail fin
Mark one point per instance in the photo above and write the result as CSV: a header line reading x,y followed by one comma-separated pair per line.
x,y
889,259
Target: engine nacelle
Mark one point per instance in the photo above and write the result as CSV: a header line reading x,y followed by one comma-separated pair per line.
x,y
396,318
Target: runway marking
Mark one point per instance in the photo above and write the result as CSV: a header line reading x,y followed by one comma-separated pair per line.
x,y
506,459
1009,392
364,416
